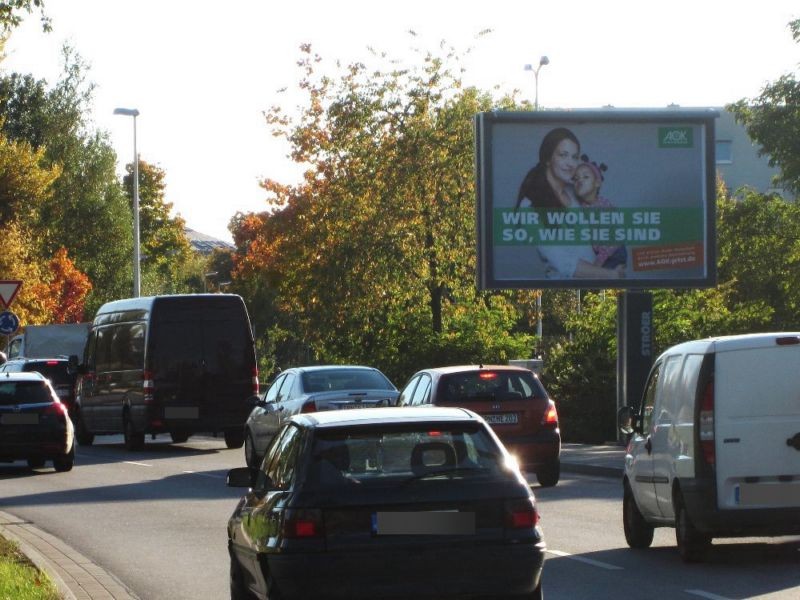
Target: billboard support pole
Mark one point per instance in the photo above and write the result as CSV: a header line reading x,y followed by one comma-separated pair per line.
x,y
634,347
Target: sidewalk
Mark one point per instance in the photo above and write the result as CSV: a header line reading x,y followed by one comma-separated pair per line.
x,y
78,578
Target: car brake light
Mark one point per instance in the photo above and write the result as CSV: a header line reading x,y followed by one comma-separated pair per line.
x,y
57,408
309,407
521,514
488,375
255,381
51,363
551,414
707,424
306,523
787,341
147,386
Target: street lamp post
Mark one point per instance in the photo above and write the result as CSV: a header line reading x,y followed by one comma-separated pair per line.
x,y
542,62
137,281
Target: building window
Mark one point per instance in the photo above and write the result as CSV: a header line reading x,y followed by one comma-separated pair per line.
x,y
724,152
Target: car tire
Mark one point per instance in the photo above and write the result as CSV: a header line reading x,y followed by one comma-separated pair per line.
x,y
638,532
549,475
692,543
234,439
133,439
64,463
36,463
250,455
178,438
84,437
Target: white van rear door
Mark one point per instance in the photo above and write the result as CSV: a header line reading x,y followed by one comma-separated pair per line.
x,y
757,416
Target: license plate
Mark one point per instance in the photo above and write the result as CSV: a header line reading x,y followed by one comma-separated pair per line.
x,y
19,419
181,412
351,406
423,523
502,419
62,393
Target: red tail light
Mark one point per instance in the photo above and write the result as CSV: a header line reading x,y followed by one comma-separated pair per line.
x,y
147,386
550,415
309,407
306,523
707,425
51,363
521,514
58,409
488,375
255,381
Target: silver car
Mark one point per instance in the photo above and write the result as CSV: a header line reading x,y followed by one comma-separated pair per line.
x,y
312,389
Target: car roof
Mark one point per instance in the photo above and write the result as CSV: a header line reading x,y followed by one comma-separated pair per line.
x,y
469,368
386,415
312,368
63,359
22,376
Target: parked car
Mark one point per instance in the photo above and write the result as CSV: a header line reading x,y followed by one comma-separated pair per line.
x,y
715,446
385,503
57,370
511,399
34,424
312,389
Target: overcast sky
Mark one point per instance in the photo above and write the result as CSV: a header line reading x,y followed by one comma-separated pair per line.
x,y
201,73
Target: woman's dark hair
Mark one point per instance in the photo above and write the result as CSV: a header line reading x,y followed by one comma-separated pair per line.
x,y
535,186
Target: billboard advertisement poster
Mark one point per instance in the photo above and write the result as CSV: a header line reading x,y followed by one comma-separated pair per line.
x,y
596,199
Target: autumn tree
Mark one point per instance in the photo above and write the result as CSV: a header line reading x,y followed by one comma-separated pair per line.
x,y
372,256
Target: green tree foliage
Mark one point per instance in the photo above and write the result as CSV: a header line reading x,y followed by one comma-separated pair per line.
x,y
164,246
12,12
372,257
773,121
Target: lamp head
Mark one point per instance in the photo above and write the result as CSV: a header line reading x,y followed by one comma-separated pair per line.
x,y
544,61
128,112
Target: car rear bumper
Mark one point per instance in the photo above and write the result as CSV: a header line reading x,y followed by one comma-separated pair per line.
x,y
489,570
534,451
37,445
700,498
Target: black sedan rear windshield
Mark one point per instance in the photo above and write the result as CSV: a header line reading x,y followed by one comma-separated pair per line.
x,y
395,455
56,371
490,385
24,392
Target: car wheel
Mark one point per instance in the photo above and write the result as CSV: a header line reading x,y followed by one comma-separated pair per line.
x,y
178,438
250,456
64,463
84,437
638,532
692,543
234,439
549,475
35,463
133,439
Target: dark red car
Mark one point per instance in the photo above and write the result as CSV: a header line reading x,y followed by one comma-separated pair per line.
x,y
511,399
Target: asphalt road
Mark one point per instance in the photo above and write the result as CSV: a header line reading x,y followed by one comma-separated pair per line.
x,y
156,519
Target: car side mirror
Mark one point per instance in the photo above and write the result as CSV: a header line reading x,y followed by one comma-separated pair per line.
x,y
254,401
626,420
241,477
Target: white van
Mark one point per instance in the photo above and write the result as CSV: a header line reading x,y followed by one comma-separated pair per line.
x,y
715,445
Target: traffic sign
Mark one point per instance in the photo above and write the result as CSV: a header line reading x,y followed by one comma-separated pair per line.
x,y
9,322
8,290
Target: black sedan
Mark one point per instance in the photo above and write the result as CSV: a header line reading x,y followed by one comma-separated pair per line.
x,y
385,503
312,389
34,424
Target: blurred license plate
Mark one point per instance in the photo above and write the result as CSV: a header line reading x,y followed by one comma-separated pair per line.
x,y
19,419
502,419
62,393
181,412
423,523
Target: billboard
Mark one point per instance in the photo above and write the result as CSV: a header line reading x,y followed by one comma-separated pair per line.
x,y
604,198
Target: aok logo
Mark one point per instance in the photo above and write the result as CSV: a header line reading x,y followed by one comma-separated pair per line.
x,y
675,137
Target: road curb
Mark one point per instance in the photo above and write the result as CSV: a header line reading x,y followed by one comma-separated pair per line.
x,y
75,576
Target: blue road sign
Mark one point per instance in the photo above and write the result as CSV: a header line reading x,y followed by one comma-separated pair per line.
x,y
9,322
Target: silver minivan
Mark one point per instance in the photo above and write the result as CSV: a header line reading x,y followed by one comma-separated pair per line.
x,y
715,444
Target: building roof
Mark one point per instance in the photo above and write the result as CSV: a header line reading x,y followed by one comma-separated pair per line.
x,y
205,244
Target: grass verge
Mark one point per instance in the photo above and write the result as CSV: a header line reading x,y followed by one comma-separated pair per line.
x,y
19,577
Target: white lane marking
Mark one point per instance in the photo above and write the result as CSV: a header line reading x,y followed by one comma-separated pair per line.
x,y
708,595
588,561
138,464
204,475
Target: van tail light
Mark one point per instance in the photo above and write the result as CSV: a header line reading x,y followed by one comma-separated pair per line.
x,y
309,407
521,514
303,524
147,386
255,381
707,425
550,417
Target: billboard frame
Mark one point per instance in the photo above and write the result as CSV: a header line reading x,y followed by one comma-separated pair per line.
x,y
484,177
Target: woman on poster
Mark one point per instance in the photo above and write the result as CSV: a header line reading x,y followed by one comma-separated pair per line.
x,y
549,185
